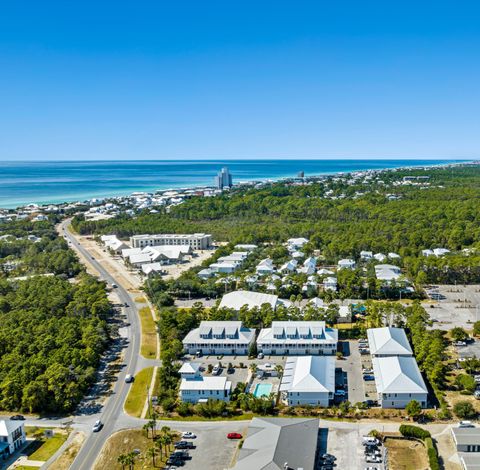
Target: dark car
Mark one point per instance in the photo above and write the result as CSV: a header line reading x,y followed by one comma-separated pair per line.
x,y
368,377
175,461
184,445
17,418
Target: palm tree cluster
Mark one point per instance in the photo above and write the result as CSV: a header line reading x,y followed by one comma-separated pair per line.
x,y
162,441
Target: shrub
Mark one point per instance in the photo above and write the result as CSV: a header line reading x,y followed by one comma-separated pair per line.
x,y
168,404
413,409
432,454
185,409
408,430
464,409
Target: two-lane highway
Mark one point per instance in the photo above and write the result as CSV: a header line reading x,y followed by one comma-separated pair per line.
x,y
113,408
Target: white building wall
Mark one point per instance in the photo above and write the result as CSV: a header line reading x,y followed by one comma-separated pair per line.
x,y
295,349
219,348
401,400
193,396
307,398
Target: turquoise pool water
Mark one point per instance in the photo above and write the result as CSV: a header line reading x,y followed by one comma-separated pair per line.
x,y
262,390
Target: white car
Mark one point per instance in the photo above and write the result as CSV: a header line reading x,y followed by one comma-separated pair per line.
x,y
97,426
188,435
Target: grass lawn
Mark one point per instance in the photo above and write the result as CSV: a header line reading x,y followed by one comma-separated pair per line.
x,y
26,467
138,392
406,455
43,448
149,334
124,442
140,300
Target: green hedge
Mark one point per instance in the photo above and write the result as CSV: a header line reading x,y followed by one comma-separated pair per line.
x,y
432,454
408,430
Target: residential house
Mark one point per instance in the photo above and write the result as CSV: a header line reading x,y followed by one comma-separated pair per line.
x,y
12,436
308,380
398,381
388,341
366,255
201,389
265,267
330,283
346,264
387,272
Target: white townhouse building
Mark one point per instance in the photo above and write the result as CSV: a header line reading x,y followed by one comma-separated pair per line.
x,y
12,436
202,389
297,338
237,299
219,337
388,341
296,243
308,380
366,255
398,381
197,241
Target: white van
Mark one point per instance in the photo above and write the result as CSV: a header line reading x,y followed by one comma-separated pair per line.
x,y
370,441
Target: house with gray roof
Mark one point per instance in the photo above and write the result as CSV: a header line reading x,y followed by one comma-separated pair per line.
x,y
467,439
398,381
279,444
219,337
388,341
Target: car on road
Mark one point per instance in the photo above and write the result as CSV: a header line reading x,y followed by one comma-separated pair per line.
x,y
188,435
234,435
180,454
114,286
368,377
129,378
126,305
97,426
466,424
17,418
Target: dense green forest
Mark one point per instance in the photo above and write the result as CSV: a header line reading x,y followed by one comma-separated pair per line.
x,y
20,256
446,214
53,329
443,213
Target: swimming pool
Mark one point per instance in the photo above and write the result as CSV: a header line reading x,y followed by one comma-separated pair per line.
x,y
262,390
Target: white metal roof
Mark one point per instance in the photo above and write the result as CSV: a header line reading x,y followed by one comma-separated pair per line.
x,y
398,374
309,374
388,341
239,298
206,383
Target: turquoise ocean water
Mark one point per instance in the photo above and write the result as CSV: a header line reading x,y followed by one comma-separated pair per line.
x,y
22,183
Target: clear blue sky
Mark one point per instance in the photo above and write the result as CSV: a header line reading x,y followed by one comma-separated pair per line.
x,y
232,79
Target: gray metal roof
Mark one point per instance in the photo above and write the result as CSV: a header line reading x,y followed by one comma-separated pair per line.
x,y
388,342
470,460
273,442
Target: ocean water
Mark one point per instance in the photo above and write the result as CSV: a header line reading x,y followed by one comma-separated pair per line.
x,y
23,183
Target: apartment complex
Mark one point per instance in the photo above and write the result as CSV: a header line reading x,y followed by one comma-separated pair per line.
x,y
219,337
298,338
197,241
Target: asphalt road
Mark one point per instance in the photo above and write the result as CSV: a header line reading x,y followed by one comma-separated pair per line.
x,y
113,408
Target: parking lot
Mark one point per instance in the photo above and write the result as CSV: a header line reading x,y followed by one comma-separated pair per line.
x,y
453,305
470,350
351,366
212,448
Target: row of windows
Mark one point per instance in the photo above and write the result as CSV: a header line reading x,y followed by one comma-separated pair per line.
x,y
295,345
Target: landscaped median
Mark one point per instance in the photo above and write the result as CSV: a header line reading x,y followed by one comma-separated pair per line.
x,y
137,395
148,348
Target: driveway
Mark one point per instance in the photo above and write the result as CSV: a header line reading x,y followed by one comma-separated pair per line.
x,y
351,365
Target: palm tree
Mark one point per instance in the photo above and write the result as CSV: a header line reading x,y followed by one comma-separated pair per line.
x,y
243,400
159,444
122,460
152,424
146,427
279,370
152,452
168,439
253,368
130,459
